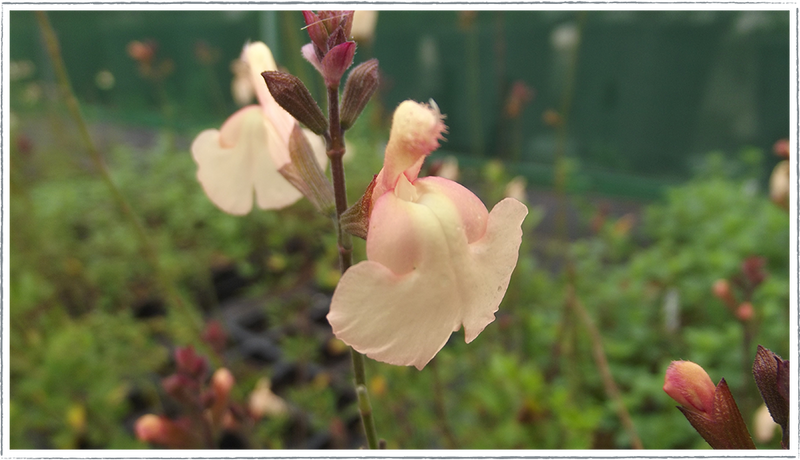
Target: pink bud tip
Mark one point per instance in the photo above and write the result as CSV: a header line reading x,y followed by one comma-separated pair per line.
x,y
745,311
722,289
222,381
149,427
689,385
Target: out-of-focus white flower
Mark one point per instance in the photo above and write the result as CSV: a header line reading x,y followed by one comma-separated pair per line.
x,y
32,93
241,85
516,188
263,402
364,23
763,425
104,80
779,184
20,70
672,310
449,168
564,38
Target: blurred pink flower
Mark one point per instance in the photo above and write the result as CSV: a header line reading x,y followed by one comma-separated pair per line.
x,y
253,144
438,260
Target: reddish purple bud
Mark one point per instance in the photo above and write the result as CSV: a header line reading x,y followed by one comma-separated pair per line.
x,y
337,37
783,378
316,30
332,19
753,270
214,335
190,363
359,88
336,62
181,387
771,374
291,94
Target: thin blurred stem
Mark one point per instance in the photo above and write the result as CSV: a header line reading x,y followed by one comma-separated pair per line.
x,y
560,180
54,50
336,151
441,412
566,325
612,391
574,305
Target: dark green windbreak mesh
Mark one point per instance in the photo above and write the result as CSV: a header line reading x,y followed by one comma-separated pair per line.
x,y
651,90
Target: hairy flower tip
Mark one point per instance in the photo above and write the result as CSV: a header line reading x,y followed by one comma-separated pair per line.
x,y
417,128
689,385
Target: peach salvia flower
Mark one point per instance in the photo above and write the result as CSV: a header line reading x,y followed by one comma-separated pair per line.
x,y
689,384
437,259
246,154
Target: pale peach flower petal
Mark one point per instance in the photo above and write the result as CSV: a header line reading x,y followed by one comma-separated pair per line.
x,y
232,162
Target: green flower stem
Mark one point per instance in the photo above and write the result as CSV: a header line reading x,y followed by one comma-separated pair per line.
x,y
336,151
54,50
439,407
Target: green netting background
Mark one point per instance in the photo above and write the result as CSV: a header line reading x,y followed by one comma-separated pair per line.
x,y
652,92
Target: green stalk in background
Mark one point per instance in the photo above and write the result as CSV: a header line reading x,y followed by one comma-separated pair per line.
x,y
149,252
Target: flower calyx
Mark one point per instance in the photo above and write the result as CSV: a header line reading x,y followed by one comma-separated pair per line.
x,y
305,173
330,51
771,373
359,88
291,94
355,220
